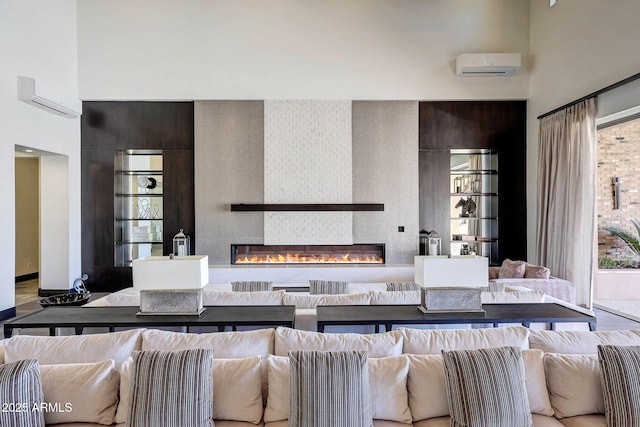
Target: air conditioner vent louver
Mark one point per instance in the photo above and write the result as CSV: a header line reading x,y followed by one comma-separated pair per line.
x,y
27,93
487,64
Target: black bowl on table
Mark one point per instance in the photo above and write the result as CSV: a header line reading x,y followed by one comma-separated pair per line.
x,y
65,300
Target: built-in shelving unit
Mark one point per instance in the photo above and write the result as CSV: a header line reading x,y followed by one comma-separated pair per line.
x,y
138,205
474,202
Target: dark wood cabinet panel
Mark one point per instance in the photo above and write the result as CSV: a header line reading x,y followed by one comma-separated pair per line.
x,y
499,125
434,189
110,126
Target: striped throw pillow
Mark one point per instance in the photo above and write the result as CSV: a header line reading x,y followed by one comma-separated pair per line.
x,y
403,286
328,287
620,377
329,388
171,388
486,387
254,286
21,394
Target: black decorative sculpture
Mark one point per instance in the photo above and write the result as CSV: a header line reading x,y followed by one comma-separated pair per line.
x,y
468,207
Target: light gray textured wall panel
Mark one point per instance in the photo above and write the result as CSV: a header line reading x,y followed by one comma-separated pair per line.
x,y
307,152
229,161
385,170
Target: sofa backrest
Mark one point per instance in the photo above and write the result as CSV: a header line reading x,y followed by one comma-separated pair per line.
x,y
312,301
378,345
433,341
74,349
242,298
580,342
225,345
2,351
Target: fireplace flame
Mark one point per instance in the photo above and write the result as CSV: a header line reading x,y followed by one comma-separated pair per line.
x,y
308,259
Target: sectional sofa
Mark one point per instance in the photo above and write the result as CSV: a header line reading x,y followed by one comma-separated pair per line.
x,y
86,379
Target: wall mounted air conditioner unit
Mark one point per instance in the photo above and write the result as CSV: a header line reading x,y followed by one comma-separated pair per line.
x,y
487,64
43,100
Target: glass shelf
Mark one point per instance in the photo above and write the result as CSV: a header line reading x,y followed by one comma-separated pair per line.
x,y
474,202
138,205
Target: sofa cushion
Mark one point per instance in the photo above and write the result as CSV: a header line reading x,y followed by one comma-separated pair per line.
x,y
74,349
512,269
426,383
377,345
538,421
402,286
511,297
395,297
487,387
329,388
225,345
312,301
584,421
328,287
574,384
251,286
87,392
620,375
580,342
213,297
536,272
434,341
387,380
20,390
237,390
185,379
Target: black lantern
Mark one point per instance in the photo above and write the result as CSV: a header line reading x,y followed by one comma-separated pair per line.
x,y
424,242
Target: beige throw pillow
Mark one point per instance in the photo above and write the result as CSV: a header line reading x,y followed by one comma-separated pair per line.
x,y
536,272
512,269
574,384
83,392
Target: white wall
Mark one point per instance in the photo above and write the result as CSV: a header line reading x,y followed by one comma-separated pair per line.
x,y
39,39
577,48
291,49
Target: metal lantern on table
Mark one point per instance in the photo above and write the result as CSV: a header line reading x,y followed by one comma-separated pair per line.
x,y
435,244
181,244
424,242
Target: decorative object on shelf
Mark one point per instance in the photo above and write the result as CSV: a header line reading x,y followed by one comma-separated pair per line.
x,y
147,182
435,243
79,295
424,242
457,184
468,207
181,244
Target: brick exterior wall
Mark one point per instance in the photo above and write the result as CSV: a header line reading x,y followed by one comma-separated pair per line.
x,y
618,155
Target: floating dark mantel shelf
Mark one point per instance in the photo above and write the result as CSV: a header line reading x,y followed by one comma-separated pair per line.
x,y
308,207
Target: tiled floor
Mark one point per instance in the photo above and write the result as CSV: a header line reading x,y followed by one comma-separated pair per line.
x,y
608,318
626,308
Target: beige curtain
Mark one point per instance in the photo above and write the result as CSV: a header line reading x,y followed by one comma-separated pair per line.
x,y
566,195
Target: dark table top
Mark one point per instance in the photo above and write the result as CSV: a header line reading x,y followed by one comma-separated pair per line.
x,y
494,313
125,316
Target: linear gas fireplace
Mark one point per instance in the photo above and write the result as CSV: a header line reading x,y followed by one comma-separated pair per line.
x,y
307,254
